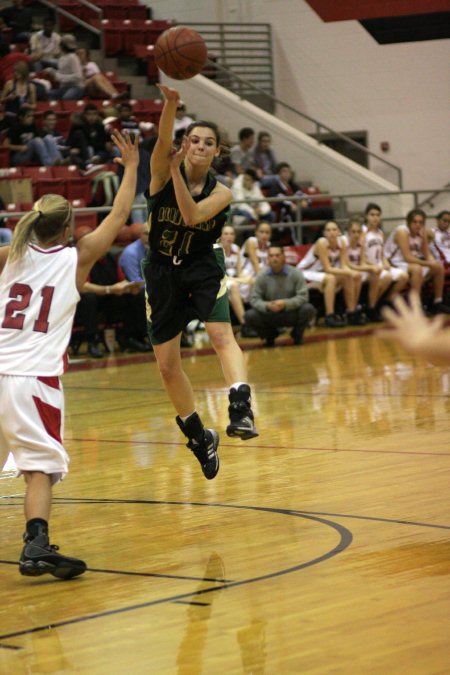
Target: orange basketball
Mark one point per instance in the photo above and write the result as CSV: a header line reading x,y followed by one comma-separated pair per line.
x,y
180,52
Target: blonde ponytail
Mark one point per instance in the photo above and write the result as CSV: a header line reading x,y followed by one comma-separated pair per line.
x,y
45,222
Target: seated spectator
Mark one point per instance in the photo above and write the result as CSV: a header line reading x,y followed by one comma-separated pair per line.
x,y
132,255
26,144
95,83
19,91
69,73
182,121
407,248
325,268
49,129
441,236
45,45
94,138
246,187
125,122
20,19
281,184
241,153
8,59
117,300
374,254
235,277
377,279
263,159
5,232
254,255
279,299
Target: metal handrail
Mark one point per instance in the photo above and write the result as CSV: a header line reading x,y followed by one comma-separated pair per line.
x,y
76,19
432,196
319,125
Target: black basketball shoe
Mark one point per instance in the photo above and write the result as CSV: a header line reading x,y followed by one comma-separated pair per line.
x,y
242,422
40,557
204,446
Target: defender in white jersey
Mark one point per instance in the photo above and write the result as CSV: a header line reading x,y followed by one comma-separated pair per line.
x,y
407,248
40,280
325,267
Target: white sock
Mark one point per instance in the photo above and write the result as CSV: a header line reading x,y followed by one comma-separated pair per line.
x,y
183,419
437,301
236,385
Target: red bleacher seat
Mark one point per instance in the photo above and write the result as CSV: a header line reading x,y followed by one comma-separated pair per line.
x,y
85,220
112,36
77,186
145,53
43,181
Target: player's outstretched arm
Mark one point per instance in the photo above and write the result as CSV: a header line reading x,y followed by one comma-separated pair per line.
x,y
95,245
411,329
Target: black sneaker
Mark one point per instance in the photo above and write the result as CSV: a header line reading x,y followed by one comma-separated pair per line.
x,y
242,422
356,319
206,449
297,335
373,315
438,308
206,453
333,321
40,557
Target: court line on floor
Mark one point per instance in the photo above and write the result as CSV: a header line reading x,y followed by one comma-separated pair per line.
x,y
265,447
345,539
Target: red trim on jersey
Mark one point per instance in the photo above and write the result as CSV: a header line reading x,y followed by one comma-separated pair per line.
x,y
50,380
51,418
46,250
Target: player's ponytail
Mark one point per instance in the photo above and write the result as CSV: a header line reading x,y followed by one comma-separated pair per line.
x,y
44,223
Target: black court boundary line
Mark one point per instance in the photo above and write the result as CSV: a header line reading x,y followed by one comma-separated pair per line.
x,y
345,539
267,447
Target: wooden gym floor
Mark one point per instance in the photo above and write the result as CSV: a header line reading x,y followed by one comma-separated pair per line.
x,y
321,547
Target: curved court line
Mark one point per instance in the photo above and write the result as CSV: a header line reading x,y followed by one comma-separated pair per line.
x,y
345,539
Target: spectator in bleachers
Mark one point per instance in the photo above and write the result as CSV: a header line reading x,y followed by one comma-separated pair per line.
x,y
26,144
8,59
69,73
95,83
324,267
20,19
48,128
235,277
182,121
281,184
279,299
374,253
246,187
263,158
241,153
100,147
19,91
407,248
45,45
132,255
5,232
254,255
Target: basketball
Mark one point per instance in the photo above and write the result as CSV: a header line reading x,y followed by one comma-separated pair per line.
x,y
180,53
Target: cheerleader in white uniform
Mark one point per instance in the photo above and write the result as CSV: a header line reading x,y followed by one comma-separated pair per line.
x,y
377,279
235,275
254,256
325,267
407,249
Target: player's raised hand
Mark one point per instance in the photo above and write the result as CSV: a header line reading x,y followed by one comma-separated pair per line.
x,y
408,324
169,93
128,144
